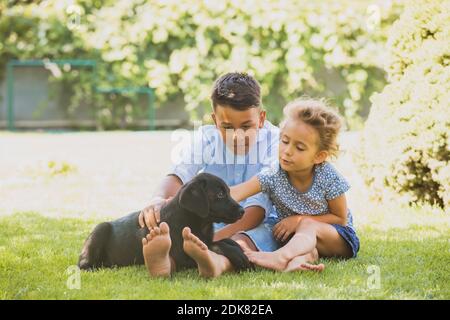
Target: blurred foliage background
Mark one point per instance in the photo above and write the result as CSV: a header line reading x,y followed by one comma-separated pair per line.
x,y
331,49
347,51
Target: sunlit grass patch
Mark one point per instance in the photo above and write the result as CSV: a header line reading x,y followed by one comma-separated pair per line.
x,y
36,252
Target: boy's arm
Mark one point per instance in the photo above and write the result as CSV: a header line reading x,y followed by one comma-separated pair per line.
x,y
246,189
169,186
182,171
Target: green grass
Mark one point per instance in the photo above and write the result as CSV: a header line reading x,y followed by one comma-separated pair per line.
x,y
35,252
55,188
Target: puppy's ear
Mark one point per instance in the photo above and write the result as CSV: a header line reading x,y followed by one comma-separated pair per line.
x,y
193,198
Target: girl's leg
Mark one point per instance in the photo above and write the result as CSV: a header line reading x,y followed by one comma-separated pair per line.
x,y
310,234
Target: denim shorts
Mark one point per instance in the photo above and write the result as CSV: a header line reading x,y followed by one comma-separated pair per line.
x,y
349,235
261,236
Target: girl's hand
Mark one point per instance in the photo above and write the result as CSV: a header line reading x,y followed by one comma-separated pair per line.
x,y
283,229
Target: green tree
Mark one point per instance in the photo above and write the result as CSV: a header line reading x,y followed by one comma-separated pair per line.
x,y
324,48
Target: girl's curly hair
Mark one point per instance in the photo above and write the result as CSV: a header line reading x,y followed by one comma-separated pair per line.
x,y
320,116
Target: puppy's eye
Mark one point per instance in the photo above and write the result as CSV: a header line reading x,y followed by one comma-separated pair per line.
x,y
221,195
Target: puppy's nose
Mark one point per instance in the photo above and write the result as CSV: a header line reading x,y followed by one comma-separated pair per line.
x,y
241,211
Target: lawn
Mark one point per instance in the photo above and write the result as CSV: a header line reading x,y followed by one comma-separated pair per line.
x,y
47,210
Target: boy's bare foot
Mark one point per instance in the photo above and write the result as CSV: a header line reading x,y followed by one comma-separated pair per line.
x,y
269,260
156,248
305,263
210,264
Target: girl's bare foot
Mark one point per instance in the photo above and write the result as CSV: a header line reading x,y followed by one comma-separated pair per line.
x,y
210,264
305,263
302,263
269,260
156,248
307,267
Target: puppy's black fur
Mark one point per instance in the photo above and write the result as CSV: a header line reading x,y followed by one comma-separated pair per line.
x,y
199,203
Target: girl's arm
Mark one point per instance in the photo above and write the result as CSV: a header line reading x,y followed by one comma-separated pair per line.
x,y
246,189
337,214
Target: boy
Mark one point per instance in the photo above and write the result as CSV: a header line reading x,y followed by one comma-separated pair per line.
x,y
239,144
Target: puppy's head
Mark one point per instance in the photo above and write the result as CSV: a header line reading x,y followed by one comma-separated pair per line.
x,y
209,197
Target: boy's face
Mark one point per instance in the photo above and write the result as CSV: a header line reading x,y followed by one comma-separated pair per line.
x,y
238,128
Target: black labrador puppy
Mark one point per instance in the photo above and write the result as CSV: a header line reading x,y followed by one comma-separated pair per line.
x,y
199,203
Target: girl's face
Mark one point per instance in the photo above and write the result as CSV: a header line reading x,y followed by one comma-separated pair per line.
x,y
299,147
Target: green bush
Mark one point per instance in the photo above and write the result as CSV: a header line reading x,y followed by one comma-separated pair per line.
x,y
406,139
319,48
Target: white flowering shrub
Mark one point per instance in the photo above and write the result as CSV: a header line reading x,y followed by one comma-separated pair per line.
x,y
406,139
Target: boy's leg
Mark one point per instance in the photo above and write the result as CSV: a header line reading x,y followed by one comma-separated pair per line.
x,y
228,254
234,252
258,239
310,234
156,247
244,242
210,264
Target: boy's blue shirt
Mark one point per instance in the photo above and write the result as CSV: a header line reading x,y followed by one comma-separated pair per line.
x,y
207,152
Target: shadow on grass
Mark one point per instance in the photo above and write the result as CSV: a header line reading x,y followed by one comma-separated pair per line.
x,y
36,252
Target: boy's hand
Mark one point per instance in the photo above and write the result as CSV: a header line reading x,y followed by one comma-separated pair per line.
x,y
150,216
283,229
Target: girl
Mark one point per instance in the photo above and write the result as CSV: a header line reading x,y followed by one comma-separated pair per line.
x,y
307,191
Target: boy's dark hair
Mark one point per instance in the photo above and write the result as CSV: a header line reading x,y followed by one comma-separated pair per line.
x,y
237,90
